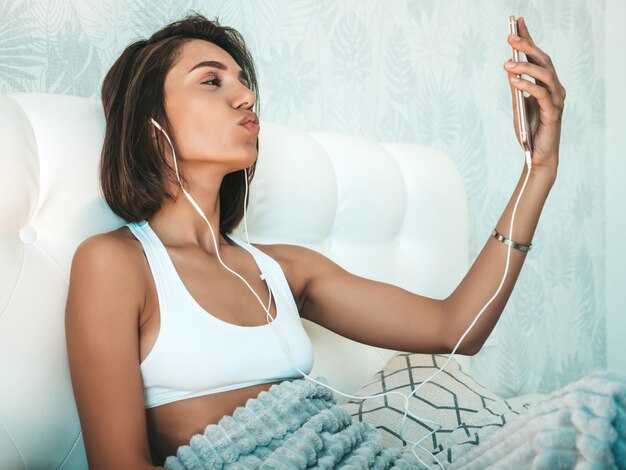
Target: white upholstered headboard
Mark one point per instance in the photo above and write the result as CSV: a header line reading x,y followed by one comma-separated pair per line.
x,y
394,212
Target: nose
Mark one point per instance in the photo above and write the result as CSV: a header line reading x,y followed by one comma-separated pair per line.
x,y
247,98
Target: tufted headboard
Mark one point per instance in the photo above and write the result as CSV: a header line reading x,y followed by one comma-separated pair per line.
x,y
393,212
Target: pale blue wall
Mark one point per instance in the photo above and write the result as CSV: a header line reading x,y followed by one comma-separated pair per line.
x,y
423,71
615,229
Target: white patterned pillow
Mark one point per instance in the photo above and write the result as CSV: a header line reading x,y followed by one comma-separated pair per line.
x,y
466,410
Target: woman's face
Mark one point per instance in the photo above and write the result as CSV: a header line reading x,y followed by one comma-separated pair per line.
x,y
204,105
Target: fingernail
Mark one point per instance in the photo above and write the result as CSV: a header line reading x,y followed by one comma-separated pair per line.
x,y
514,79
515,37
509,65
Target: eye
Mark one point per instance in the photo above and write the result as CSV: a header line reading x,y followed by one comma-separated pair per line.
x,y
216,79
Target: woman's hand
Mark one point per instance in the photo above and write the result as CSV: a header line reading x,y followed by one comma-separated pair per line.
x,y
545,103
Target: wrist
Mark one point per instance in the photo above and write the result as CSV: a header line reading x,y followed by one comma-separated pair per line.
x,y
542,174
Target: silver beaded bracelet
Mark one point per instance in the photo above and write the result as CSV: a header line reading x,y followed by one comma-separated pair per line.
x,y
518,246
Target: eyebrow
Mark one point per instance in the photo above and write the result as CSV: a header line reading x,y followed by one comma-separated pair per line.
x,y
215,64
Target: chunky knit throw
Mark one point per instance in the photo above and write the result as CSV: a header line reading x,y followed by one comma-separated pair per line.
x,y
298,425
293,425
579,426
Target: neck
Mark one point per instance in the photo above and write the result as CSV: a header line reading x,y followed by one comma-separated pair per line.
x,y
179,223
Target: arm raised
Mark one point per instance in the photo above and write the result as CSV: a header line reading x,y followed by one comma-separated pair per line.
x,y
388,316
101,326
368,311
485,275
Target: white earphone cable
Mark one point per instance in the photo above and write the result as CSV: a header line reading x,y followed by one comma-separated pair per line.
x,y
285,344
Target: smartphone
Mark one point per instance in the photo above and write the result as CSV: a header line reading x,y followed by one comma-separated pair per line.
x,y
522,116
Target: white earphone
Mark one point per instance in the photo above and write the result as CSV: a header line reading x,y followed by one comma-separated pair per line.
x,y
284,343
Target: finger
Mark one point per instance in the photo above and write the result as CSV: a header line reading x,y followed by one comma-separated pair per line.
x,y
548,111
511,74
534,55
543,77
523,32
523,29
519,68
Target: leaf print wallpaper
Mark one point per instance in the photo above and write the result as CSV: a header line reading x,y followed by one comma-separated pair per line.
x,y
422,71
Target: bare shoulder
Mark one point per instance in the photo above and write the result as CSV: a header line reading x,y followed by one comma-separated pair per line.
x,y
121,239
300,264
119,244
110,259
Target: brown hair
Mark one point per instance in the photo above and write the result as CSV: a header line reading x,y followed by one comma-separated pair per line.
x,y
133,168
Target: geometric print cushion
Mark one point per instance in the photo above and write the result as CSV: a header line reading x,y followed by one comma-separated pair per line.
x,y
466,410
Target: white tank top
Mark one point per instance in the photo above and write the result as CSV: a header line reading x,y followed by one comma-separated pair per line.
x,y
196,353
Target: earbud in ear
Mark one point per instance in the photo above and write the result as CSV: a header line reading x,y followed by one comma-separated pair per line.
x,y
158,126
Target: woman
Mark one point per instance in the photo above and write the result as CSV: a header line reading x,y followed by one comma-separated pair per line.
x,y
174,107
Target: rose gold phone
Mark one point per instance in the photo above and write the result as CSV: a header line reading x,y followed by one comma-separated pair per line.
x,y
522,116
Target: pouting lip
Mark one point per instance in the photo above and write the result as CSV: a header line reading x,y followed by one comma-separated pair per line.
x,y
249,116
253,127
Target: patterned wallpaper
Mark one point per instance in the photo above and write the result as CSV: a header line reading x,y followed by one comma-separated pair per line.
x,y
423,71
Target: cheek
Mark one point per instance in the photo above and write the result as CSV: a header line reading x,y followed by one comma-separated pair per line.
x,y
204,131
192,126
207,135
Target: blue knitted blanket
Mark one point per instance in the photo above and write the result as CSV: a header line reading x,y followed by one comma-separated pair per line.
x,y
293,425
579,426
298,425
